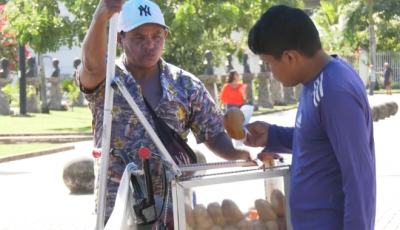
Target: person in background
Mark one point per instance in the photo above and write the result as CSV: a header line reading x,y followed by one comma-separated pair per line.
x,y
233,93
332,173
387,75
371,80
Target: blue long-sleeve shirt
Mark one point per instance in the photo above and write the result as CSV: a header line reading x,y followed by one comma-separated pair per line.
x,y
333,180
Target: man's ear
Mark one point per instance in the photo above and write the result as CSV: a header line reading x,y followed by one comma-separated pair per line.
x,y
292,57
119,40
165,33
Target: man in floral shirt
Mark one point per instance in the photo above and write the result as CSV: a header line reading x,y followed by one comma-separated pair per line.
x,y
177,97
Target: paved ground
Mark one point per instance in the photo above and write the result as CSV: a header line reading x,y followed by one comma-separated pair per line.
x,y
33,195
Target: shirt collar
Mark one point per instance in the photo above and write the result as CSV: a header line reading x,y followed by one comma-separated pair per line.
x,y
168,90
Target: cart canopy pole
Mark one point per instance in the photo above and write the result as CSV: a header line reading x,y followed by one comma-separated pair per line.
x,y
106,134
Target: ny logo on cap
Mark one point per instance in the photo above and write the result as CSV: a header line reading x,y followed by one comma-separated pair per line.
x,y
144,9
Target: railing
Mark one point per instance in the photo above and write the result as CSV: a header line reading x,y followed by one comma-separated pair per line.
x,y
393,58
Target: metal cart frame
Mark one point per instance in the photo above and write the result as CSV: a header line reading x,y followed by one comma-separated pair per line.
x,y
178,187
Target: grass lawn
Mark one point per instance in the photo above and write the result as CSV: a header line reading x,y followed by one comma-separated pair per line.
x,y
276,108
13,149
67,121
383,91
80,120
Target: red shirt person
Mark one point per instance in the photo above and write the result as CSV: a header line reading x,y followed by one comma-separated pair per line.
x,y
233,93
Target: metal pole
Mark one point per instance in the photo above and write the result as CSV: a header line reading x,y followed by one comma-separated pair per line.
x,y
22,79
106,135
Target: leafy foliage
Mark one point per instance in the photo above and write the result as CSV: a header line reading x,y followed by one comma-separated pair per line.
x,y
336,21
71,89
195,26
38,24
9,49
344,25
12,92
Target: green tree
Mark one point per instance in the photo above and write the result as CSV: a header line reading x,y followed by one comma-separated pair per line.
x,y
337,22
37,23
371,24
9,49
249,13
196,26
12,92
71,89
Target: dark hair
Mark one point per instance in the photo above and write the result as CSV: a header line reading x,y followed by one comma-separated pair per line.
x,y
284,28
231,76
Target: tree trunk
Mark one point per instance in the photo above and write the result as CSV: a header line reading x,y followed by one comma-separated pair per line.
x,y
372,41
45,107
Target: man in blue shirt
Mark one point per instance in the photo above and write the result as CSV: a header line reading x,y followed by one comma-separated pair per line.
x,y
333,179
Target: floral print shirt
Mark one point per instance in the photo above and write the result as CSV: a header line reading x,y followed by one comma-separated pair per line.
x,y
185,105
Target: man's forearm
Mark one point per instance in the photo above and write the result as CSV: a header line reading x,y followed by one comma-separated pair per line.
x,y
221,145
94,51
280,139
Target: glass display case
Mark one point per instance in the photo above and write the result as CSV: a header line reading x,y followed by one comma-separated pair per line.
x,y
230,195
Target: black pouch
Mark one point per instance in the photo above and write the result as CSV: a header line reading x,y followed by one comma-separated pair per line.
x,y
173,142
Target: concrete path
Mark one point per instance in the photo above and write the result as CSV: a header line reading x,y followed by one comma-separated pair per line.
x,y
33,195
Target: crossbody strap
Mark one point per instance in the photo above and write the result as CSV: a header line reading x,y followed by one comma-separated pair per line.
x,y
180,141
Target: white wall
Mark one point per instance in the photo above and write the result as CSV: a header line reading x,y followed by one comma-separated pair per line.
x,y
253,59
363,66
66,58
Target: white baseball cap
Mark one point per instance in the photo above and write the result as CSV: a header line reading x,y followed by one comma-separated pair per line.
x,y
135,13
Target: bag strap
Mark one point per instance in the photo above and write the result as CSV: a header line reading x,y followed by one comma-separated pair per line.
x,y
151,110
175,135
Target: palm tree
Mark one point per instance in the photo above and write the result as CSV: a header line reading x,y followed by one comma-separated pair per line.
x,y
336,21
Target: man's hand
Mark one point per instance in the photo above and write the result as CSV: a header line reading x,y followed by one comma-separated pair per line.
x,y
265,157
258,134
108,8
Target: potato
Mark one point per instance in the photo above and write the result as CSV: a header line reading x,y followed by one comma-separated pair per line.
x,y
199,228
203,220
216,227
278,202
229,227
245,225
190,220
282,223
265,210
233,123
231,211
259,225
272,225
215,211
